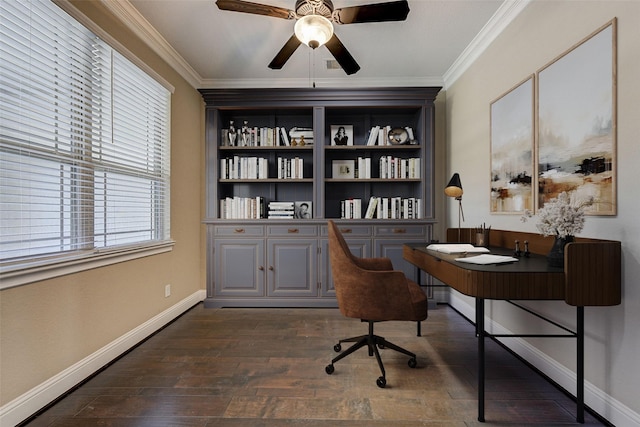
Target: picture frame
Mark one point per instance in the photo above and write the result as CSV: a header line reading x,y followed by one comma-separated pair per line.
x,y
303,209
343,169
577,122
341,135
512,149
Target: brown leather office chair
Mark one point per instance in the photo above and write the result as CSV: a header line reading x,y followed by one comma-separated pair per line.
x,y
370,290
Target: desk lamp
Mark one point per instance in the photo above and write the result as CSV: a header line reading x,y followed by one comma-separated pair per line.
x,y
454,189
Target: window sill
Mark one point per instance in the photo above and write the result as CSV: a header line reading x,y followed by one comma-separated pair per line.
x,y
43,270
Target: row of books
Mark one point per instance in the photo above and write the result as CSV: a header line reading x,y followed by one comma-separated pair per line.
x,y
254,208
379,135
382,208
399,168
242,208
265,137
237,167
290,168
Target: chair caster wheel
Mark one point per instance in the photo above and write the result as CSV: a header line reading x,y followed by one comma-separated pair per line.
x,y
381,382
413,362
329,369
337,348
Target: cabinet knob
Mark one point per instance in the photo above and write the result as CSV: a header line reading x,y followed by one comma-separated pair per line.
x,y
399,230
293,230
270,268
239,230
346,230
261,268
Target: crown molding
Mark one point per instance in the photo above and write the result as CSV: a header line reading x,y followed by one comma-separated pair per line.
x,y
132,19
337,82
505,14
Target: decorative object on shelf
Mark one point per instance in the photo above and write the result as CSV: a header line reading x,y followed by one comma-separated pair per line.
x,y
233,134
343,169
341,135
398,136
563,218
454,189
302,142
302,209
245,134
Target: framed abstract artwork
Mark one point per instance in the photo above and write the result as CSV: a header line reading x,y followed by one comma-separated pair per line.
x,y
512,145
577,124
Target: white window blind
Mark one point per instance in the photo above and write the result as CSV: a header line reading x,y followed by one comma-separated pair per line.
x,y
84,140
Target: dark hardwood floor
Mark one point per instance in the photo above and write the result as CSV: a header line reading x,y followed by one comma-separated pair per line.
x,y
266,367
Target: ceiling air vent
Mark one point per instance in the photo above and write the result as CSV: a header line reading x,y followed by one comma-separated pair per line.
x,y
332,64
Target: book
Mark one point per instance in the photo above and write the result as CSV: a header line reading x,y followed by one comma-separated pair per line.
x,y
371,208
486,259
456,248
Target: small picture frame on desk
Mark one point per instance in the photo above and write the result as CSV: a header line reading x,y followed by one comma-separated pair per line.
x,y
341,135
343,169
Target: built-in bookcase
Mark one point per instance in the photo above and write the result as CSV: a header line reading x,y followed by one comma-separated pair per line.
x,y
244,175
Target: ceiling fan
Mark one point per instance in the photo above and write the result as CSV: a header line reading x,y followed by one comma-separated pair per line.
x,y
314,24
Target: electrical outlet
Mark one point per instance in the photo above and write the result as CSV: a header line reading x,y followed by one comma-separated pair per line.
x,y
167,291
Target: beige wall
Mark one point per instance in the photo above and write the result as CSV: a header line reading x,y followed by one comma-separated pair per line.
x,y
544,30
48,326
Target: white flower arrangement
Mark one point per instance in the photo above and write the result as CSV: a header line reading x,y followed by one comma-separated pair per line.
x,y
560,217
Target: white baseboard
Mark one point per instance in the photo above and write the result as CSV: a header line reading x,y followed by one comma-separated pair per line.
x,y
40,396
596,399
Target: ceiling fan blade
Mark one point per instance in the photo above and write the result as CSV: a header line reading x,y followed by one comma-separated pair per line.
x,y
285,53
342,55
380,12
255,8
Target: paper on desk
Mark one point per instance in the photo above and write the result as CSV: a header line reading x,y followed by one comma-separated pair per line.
x,y
457,248
488,259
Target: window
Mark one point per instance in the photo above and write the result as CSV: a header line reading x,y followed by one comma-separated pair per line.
x,y
84,142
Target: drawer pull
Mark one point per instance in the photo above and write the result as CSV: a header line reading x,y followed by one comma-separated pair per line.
x,y
261,268
239,230
293,230
346,230
270,268
399,230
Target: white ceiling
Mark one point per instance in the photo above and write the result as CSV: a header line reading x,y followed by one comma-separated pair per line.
x,y
214,48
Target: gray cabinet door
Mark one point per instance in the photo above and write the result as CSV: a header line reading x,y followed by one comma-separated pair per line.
x,y
291,267
239,267
359,247
392,249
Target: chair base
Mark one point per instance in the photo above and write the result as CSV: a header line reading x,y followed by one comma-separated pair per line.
x,y
373,342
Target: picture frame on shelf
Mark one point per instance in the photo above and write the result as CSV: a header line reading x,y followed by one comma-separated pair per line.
x,y
302,209
343,169
341,135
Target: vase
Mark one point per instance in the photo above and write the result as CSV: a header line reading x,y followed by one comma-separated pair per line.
x,y
555,258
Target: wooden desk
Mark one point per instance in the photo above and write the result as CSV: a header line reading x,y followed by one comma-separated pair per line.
x,y
591,277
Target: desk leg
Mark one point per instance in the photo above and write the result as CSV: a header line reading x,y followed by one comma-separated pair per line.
x,y
580,364
481,364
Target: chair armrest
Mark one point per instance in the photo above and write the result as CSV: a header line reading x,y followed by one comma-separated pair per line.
x,y
374,264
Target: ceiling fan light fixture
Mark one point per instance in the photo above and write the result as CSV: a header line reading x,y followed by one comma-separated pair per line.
x,y
313,30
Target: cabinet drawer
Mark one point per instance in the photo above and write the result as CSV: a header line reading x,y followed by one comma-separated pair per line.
x,y
400,230
239,230
292,230
350,230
